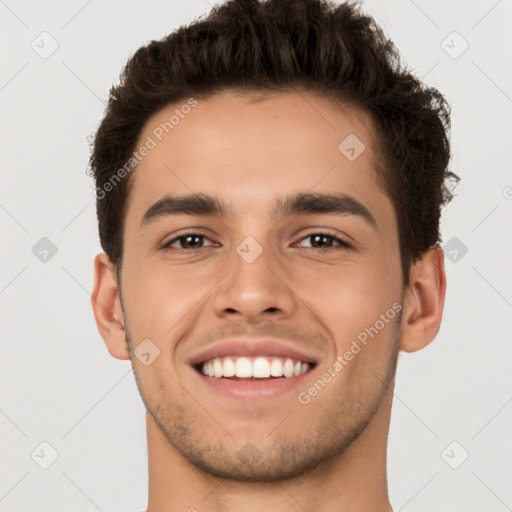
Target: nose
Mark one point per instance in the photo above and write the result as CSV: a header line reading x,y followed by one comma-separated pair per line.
x,y
255,290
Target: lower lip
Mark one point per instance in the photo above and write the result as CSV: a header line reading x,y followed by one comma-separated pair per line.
x,y
252,389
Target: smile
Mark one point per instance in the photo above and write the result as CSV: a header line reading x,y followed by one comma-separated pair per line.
x,y
253,379
261,367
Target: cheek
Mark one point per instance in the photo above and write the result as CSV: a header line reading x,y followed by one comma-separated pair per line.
x,y
358,287
356,302
158,296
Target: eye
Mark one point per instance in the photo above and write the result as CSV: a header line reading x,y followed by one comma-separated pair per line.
x,y
321,241
324,241
187,241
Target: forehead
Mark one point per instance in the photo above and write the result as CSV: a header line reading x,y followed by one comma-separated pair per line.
x,y
249,148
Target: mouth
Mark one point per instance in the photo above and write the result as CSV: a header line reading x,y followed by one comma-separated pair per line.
x,y
253,368
253,379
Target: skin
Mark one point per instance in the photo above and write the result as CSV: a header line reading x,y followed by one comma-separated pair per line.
x,y
328,454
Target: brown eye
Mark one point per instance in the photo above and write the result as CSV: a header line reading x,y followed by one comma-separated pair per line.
x,y
187,241
324,241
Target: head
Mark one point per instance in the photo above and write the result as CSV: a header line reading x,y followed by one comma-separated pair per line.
x,y
278,120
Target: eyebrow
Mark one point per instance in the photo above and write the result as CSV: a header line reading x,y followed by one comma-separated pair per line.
x,y
296,204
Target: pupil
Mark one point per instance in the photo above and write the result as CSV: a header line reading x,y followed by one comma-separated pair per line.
x,y
191,237
316,238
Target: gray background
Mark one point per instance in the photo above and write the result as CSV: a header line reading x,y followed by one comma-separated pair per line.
x,y
59,384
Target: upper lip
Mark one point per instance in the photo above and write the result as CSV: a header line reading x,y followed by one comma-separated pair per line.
x,y
252,348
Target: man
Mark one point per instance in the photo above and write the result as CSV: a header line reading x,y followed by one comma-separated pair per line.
x,y
269,186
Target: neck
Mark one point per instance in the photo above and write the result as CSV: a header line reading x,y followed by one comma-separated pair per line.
x,y
352,481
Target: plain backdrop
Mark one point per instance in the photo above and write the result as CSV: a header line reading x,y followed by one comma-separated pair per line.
x,y
450,443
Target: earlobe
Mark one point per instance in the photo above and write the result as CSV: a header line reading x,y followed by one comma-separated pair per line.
x,y
424,301
106,305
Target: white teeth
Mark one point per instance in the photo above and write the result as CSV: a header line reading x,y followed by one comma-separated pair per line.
x,y
243,367
259,367
288,368
276,368
217,368
228,368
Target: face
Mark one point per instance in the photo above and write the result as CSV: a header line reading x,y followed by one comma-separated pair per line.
x,y
300,261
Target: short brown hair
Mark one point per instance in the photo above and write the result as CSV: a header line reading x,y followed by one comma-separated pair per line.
x,y
280,45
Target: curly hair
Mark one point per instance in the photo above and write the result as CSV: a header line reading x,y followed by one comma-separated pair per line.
x,y
331,49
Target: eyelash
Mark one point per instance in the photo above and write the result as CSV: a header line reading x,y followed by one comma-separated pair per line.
x,y
327,234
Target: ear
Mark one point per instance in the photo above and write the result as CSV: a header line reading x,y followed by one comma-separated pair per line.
x,y
106,305
424,301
